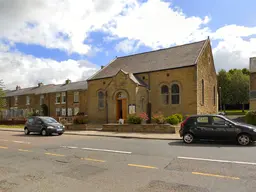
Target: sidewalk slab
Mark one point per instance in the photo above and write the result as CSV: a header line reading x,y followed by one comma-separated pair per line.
x,y
156,136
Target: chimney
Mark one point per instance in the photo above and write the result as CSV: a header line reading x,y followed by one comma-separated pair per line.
x,y
40,84
102,67
68,81
17,87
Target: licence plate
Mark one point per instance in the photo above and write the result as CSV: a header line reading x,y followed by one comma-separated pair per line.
x,y
59,129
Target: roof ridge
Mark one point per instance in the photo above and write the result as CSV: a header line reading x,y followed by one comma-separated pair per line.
x,y
163,49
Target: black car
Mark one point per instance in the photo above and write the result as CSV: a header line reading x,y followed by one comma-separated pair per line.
x,y
43,125
216,127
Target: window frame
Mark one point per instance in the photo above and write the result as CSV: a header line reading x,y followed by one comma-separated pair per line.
x,y
76,95
41,99
101,99
165,95
63,95
58,95
57,110
27,100
16,100
176,94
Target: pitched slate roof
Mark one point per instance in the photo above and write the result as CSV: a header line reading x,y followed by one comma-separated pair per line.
x,y
170,58
51,88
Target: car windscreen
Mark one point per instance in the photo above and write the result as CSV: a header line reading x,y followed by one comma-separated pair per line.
x,y
49,120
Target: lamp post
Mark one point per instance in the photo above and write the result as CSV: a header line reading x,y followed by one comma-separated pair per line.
x,y
220,98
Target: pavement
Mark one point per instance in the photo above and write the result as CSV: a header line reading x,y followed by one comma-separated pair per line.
x,y
158,136
30,163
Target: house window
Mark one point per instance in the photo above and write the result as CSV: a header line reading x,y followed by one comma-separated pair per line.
x,y
69,111
15,100
165,94
58,112
100,99
63,112
76,97
27,100
202,92
214,95
63,96
76,110
57,98
175,94
41,99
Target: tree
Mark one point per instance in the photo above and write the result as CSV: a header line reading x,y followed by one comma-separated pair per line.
x,y
2,94
239,88
224,82
245,71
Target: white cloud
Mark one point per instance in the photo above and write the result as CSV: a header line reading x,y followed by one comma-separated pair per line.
x,y
127,46
62,24
155,24
26,70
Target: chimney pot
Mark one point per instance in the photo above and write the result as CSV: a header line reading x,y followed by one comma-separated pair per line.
x,y
40,84
68,81
102,67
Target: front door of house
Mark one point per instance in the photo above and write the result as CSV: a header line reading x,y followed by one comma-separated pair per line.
x,y
121,107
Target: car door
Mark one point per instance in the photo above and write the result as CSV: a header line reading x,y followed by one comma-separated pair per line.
x,y
29,124
37,125
223,129
204,128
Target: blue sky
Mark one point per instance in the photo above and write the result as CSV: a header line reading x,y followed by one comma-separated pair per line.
x,y
81,38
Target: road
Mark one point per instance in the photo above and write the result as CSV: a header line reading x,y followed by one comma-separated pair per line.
x,y
80,163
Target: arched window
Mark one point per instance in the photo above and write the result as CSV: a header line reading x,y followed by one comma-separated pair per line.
x,y
165,94
202,92
101,99
175,94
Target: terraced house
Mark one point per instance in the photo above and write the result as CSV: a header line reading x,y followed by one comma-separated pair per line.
x,y
55,100
180,79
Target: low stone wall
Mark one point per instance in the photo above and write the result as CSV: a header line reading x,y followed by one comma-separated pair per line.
x,y
76,127
140,128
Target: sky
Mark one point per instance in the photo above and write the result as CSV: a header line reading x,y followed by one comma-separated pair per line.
x,y
50,41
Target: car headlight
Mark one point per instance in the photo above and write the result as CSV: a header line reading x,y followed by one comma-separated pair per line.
x,y
50,127
254,130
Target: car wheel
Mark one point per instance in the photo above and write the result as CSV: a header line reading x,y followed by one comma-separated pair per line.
x,y
44,132
244,139
188,138
26,131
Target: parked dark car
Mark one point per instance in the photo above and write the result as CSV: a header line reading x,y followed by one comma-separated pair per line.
x,y
216,127
43,125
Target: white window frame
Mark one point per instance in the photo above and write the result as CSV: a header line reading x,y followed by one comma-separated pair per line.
x,y
76,110
57,111
70,112
27,100
41,99
76,97
56,98
63,112
15,100
63,95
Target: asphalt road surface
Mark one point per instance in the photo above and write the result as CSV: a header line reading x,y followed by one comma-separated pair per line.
x,y
79,163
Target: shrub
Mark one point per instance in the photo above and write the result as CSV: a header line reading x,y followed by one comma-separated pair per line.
x,y
144,116
134,119
63,121
179,116
80,120
250,117
173,120
158,118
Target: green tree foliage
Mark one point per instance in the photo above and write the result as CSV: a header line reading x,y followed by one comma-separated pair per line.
x,y
234,86
2,94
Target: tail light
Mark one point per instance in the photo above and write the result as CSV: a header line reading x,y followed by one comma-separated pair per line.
x,y
183,123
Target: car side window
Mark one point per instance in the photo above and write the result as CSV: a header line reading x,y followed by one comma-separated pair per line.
x,y
203,120
30,120
218,121
38,121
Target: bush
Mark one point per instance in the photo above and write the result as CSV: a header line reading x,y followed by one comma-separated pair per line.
x,y
179,116
144,116
80,120
173,120
158,118
134,119
250,117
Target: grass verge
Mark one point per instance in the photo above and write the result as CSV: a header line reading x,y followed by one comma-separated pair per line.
x,y
12,126
235,112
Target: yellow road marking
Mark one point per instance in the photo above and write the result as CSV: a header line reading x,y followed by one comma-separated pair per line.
x,y
89,159
142,166
54,154
24,150
213,175
2,147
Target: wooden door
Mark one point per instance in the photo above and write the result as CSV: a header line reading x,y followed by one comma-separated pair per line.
x,y
124,108
117,110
